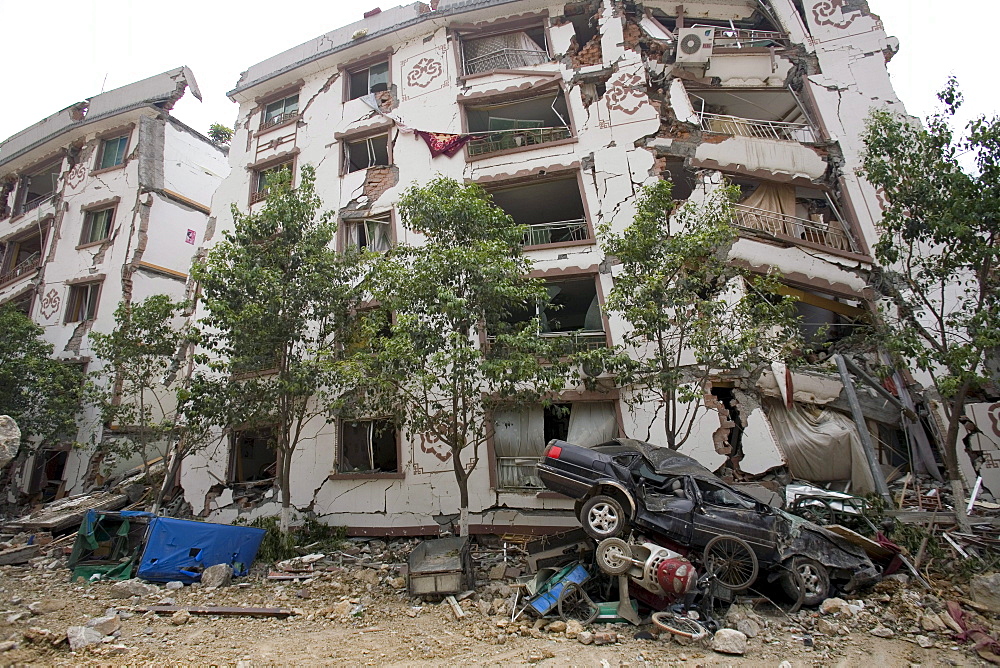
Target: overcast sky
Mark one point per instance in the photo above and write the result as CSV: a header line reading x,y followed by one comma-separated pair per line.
x,y
58,53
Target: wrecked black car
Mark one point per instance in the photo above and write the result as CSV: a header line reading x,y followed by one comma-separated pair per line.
x,y
627,483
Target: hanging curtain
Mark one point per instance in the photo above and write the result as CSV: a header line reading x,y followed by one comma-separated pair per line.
x,y
772,198
592,423
518,433
378,235
507,51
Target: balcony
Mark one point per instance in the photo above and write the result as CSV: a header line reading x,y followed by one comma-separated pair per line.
x,y
760,129
522,123
826,234
492,142
35,202
279,119
25,266
552,210
557,232
743,38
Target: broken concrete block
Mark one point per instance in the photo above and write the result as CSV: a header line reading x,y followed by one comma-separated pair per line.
x,y
82,636
605,637
105,625
180,618
729,641
573,629
931,621
748,627
557,626
826,627
175,585
47,605
881,631
836,606
130,588
219,575
986,591
368,576
585,638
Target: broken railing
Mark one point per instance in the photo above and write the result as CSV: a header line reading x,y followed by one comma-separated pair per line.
x,y
36,202
556,232
742,38
26,265
505,59
507,139
518,473
752,127
828,234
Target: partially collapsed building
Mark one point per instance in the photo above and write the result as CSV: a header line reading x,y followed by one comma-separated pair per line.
x,y
103,202
562,112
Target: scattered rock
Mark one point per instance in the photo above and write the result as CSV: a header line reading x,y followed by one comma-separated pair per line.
x,y
82,636
498,572
986,590
35,635
585,638
748,627
47,605
881,631
130,588
368,575
836,606
105,625
17,616
605,637
10,439
826,627
174,585
180,618
574,629
557,626
7,645
219,575
925,642
729,641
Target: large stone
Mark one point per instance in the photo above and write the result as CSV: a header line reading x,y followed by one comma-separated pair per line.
x,y
180,618
82,636
105,625
931,621
10,439
986,591
368,576
729,641
219,575
573,629
826,627
881,631
47,605
585,638
130,588
557,626
836,606
748,627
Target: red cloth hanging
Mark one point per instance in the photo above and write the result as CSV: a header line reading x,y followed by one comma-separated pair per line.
x,y
441,142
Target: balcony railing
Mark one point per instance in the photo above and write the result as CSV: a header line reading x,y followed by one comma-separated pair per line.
x,y
518,473
741,38
258,196
556,232
830,235
752,127
280,118
580,340
27,265
36,202
505,59
492,142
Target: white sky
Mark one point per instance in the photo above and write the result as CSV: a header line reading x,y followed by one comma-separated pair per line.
x,y
58,53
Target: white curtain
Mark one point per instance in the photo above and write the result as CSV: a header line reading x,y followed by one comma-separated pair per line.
x,y
592,423
378,235
518,433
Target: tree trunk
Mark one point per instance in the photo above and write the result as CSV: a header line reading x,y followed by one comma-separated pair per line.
x,y
284,476
169,475
950,452
463,493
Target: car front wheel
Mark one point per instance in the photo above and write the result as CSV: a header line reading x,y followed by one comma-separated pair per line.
x,y
813,577
604,517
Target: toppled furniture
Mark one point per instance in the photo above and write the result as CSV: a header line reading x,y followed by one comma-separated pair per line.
x,y
440,567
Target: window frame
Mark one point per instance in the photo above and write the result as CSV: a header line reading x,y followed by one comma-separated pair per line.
x,y
256,171
22,185
75,297
234,456
99,166
350,69
88,220
339,452
282,118
353,139
387,217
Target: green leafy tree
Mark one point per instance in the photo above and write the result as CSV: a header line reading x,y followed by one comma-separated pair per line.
x,y
278,302
436,374
42,394
219,133
939,249
688,311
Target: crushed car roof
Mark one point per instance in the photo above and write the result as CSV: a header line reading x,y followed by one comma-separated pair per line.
x,y
664,460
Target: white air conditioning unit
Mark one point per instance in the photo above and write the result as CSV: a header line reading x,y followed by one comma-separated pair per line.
x,y
694,45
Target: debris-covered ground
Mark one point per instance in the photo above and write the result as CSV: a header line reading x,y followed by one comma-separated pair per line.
x,y
354,608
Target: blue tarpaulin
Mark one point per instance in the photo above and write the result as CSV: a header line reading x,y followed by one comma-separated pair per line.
x,y
182,549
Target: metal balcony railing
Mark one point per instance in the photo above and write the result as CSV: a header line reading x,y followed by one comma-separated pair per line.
x,y
27,265
741,38
579,340
556,232
518,473
505,59
280,118
36,202
752,127
501,140
258,196
828,234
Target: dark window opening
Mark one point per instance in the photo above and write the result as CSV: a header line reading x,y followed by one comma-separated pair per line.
x,y
47,474
538,120
572,313
682,178
556,423
23,303
365,153
735,438
368,446
583,17
505,51
280,111
253,457
38,187
553,210
373,79
83,302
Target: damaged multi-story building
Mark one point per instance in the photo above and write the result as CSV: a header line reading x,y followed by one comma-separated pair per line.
x,y
103,202
563,111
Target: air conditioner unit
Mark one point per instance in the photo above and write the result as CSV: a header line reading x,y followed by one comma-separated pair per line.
x,y
694,45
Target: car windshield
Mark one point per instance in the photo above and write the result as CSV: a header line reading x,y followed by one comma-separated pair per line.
x,y
716,495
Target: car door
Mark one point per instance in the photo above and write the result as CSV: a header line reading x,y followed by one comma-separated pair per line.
x,y
666,503
721,511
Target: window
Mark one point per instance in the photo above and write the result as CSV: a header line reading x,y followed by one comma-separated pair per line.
x,y
373,234
372,79
96,226
253,459
520,124
21,256
112,152
572,315
263,178
365,153
280,111
83,302
38,187
507,51
368,446
552,209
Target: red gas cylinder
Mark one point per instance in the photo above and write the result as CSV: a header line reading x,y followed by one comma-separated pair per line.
x,y
677,576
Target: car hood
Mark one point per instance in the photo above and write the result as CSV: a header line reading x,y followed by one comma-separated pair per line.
x,y
802,537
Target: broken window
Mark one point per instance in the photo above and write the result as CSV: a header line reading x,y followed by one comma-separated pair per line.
x,y
280,111
263,178
367,152
253,457
740,32
82,303
96,226
371,79
681,177
47,472
368,446
373,234
112,152
765,114
552,209
824,318
22,256
518,124
505,51
23,302
520,435
571,314
38,187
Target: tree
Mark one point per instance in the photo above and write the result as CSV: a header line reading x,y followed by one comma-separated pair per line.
x,y
688,311
278,302
219,133
42,394
138,386
434,372
939,249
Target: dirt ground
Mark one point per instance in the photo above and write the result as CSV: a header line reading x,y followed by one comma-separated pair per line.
x,y
358,615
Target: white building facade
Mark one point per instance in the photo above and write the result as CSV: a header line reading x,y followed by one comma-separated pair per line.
x,y
562,111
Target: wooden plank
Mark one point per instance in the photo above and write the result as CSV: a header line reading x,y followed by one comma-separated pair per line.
x,y
866,440
19,555
221,611
871,547
67,513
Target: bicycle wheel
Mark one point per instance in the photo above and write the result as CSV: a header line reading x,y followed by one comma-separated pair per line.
x,y
614,556
575,604
731,562
679,625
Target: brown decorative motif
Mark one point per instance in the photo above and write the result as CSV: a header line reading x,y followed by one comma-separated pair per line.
x,y
625,93
430,444
994,413
75,176
881,198
424,72
832,13
50,303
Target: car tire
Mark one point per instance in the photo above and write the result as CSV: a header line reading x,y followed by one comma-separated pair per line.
x,y
814,578
604,517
